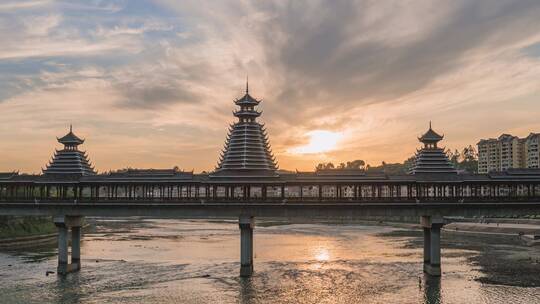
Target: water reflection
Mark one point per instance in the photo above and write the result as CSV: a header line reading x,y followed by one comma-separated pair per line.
x,y
173,261
322,254
68,289
432,289
248,293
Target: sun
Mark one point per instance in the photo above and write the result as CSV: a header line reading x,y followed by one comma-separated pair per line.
x,y
320,141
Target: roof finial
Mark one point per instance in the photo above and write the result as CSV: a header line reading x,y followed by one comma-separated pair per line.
x,y
70,128
247,83
430,124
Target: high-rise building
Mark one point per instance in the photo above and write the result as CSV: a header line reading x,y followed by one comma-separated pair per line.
x,y
531,150
508,151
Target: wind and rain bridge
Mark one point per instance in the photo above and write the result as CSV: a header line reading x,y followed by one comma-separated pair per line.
x,y
247,184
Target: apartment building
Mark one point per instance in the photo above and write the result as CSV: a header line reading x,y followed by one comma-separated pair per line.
x,y
508,151
532,152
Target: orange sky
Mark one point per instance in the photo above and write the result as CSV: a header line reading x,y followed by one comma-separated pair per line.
x,y
152,83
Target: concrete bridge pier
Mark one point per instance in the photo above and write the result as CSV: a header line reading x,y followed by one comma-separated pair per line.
x,y
246,224
64,224
432,244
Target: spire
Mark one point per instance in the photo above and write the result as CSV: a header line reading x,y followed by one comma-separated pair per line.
x,y
246,150
431,159
70,140
70,160
247,104
430,138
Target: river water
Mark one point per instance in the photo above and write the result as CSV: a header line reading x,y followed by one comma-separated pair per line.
x,y
179,261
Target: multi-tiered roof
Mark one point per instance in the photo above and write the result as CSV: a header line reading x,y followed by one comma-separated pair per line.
x,y
431,159
70,160
247,149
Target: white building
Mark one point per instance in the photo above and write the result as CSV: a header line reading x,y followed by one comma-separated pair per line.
x,y
508,151
531,151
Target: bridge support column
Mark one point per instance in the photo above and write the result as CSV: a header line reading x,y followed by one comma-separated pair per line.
x,y
246,224
63,224
62,248
76,247
432,244
427,246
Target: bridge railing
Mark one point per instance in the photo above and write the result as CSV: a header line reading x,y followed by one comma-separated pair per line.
x,y
357,193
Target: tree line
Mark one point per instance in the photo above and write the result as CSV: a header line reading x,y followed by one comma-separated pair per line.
x,y
466,160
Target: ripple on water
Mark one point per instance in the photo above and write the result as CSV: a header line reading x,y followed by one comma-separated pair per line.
x,y
197,262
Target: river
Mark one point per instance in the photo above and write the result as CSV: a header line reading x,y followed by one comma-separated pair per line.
x,y
180,261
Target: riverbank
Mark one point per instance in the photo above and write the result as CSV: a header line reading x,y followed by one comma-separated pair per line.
x,y
526,230
28,241
18,232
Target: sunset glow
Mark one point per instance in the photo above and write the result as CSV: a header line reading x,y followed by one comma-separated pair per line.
x,y
151,84
276,151
322,254
320,141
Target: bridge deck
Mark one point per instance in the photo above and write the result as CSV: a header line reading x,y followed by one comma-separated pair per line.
x,y
287,210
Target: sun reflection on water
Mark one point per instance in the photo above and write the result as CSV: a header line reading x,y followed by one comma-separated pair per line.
x,y
322,254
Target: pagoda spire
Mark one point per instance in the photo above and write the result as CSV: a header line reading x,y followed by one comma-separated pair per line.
x,y
247,150
430,138
431,158
70,160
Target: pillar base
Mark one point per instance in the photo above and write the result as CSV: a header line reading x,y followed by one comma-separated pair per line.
x,y
64,269
433,270
75,265
246,270
246,224
64,223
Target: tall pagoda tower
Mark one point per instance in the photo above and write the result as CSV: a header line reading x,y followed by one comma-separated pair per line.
x,y
431,159
70,160
247,150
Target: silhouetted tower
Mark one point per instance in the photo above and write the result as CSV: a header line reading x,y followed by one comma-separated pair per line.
x,y
70,160
431,159
247,149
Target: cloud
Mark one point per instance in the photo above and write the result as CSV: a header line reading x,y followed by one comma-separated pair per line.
x,y
17,5
142,95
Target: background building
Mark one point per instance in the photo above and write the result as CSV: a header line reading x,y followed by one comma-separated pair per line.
x,y
508,151
531,151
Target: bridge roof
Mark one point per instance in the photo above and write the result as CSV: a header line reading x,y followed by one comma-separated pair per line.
x,y
157,176
70,138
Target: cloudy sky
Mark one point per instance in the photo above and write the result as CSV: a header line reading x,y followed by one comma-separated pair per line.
x,y
152,83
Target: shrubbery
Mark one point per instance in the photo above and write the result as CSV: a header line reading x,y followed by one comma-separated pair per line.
x,y
16,226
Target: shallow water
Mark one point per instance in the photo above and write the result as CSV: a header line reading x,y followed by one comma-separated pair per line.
x,y
178,261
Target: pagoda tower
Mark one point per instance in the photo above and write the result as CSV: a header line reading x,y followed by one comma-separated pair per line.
x,y
431,159
70,160
247,149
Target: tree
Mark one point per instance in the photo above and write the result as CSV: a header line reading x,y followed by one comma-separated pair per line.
x,y
408,164
469,160
454,157
324,166
356,164
469,154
